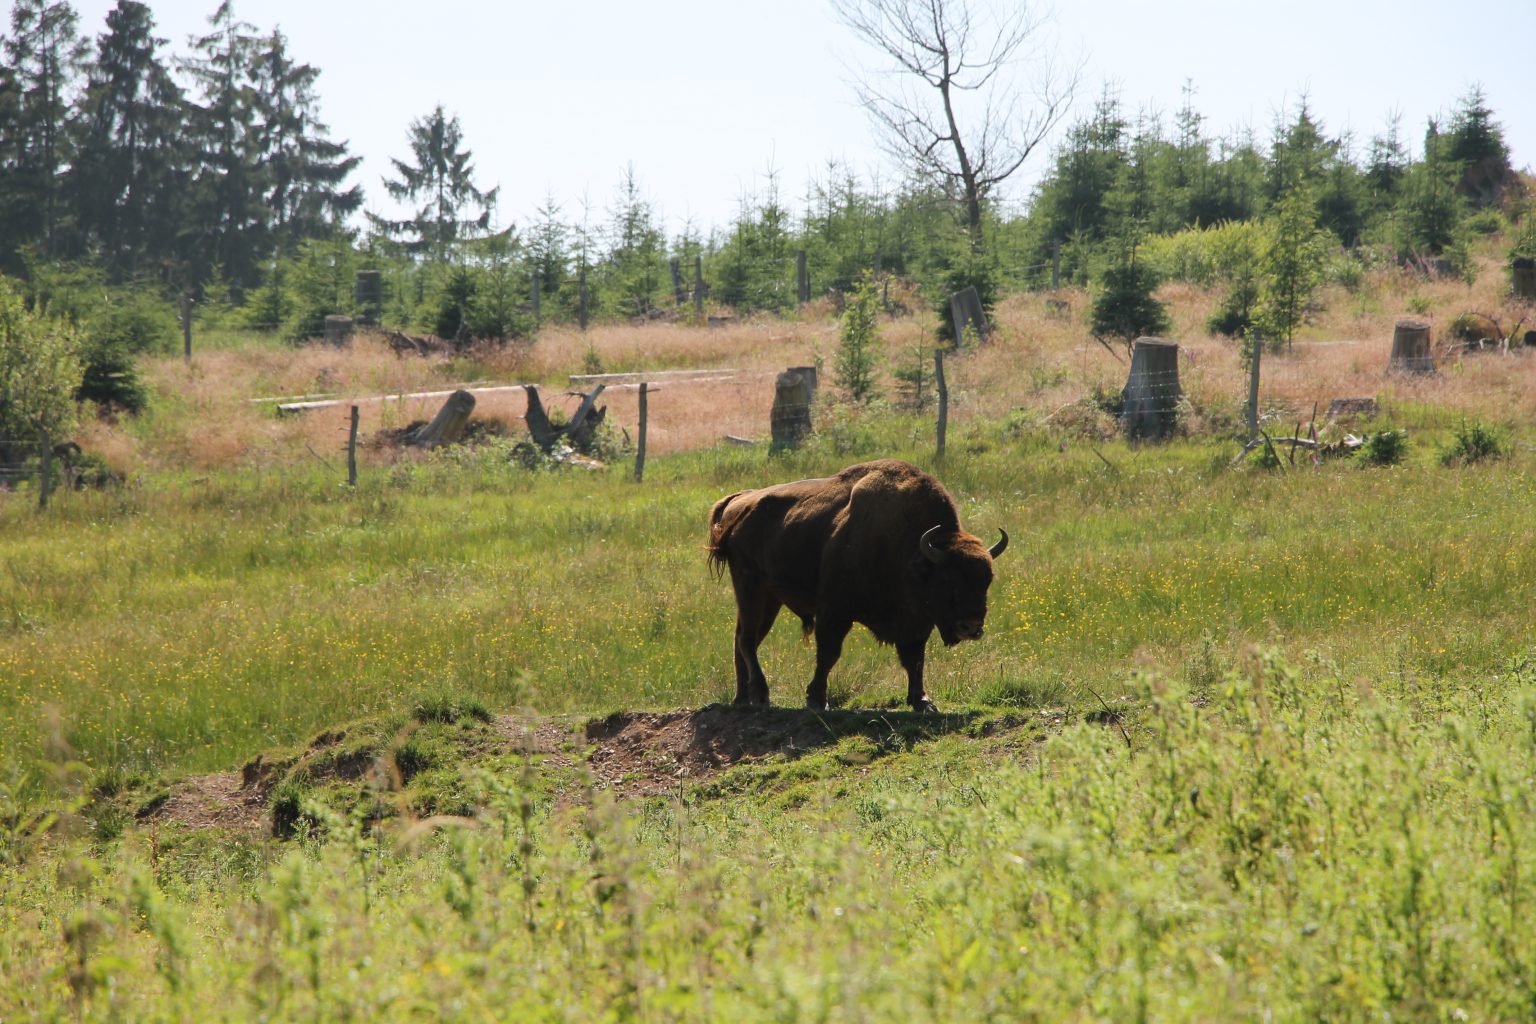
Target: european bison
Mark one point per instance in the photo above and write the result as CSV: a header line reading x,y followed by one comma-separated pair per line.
x,y
879,543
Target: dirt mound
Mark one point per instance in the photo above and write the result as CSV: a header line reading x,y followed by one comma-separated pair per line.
x,y
642,753
222,801
630,753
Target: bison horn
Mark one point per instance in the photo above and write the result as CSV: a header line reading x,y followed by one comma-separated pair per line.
x,y
925,544
1001,545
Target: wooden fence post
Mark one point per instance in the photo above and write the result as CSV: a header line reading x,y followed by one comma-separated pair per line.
x,y
186,328
1056,264
640,442
943,389
536,318
352,450
802,278
45,484
679,293
581,296
698,286
1257,345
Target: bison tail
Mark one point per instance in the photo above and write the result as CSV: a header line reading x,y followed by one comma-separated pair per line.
x,y
719,553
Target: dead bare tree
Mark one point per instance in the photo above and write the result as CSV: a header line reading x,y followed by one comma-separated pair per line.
x,y
952,104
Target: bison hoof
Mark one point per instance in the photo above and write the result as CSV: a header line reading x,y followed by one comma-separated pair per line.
x,y
926,707
816,705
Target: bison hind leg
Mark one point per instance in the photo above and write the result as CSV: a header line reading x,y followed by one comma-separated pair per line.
x,y
755,614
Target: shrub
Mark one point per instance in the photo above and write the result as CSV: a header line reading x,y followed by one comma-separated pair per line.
x,y
1473,442
916,388
442,707
40,370
1385,448
1126,308
111,379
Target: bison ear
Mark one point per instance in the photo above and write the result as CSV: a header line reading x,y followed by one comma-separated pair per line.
x,y
1002,545
925,545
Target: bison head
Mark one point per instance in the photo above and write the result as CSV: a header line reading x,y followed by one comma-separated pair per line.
x,y
956,572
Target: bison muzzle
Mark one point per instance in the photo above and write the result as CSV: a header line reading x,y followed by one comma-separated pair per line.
x,y
879,544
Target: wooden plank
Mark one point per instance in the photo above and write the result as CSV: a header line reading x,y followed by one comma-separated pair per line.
x,y
332,403
651,375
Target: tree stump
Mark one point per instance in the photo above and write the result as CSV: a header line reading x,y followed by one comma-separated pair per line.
x,y
1150,400
579,433
793,392
1410,348
448,424
1523,274
965,312
338,330
368,294
543,432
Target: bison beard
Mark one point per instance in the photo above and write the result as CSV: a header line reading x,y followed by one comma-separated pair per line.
x,y
879,544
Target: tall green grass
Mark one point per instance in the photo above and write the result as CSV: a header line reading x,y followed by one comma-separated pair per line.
x,y
1338,831
188,623
1285,844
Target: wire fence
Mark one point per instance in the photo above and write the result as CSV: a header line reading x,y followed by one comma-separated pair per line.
x,y
28,461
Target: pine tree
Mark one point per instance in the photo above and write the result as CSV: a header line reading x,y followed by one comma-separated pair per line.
x,y
1475,142
548,250
42,58
1386,167
229,222
636,263
441,179
1292,264
303,170
1429,211
853,366
127,185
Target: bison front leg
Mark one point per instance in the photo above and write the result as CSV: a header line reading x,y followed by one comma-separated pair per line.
x,y
912,655
830,634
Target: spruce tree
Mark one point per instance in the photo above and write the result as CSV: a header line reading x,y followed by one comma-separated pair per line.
x,y
42,58
1475,143
1292,264
229,219
439,181
127,185
636,263
302,170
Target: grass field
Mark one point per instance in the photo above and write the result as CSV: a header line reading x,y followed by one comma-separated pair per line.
x,y
1239,742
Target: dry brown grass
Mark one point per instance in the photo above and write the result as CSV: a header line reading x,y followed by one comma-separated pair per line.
x,y
1042,359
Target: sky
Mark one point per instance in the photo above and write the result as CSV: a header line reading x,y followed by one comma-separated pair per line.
x,y
705,99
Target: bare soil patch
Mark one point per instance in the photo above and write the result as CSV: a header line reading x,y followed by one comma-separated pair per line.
x,y
223,800
652,752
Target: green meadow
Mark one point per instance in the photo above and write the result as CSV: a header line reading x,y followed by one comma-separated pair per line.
x,y
1239,742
